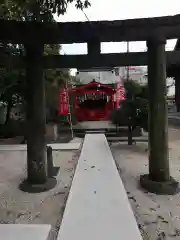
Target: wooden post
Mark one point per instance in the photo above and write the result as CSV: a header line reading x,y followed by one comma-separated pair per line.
x,y
130,140
36,115
158,180
72,116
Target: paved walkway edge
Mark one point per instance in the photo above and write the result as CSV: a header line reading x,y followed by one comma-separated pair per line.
x,y
55,146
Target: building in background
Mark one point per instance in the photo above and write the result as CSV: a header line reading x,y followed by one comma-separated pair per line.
x,y
138,74
111,76
105,76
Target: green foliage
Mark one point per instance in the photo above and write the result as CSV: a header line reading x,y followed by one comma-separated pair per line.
x,y
144,92
132,88
58,6
134,109
125,114
54,79
57,77
13,128
37,10
13,82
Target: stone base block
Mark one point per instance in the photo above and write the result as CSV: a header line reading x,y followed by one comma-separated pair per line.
x,y
170,187
25,186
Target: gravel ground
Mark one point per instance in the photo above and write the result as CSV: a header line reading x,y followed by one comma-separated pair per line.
x,y
158,216
40,208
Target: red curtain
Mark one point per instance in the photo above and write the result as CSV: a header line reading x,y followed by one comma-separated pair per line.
x,y
120,92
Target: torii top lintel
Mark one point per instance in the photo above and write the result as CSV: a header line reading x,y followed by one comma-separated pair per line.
x,y
79,32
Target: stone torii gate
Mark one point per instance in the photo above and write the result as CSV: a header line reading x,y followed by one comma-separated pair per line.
x,y
153,30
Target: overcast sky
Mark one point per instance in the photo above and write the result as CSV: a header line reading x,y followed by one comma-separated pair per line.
x,y
119,9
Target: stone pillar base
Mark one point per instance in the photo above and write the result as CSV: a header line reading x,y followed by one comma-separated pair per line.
x,y
162,188
50,165
25,186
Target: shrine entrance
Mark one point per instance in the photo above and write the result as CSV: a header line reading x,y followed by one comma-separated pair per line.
x,y
93,101
155,31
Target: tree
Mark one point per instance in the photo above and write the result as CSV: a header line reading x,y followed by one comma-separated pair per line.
x,y
135,107
33,10
37,10
59,6
55,79
12,89
132,88
13,82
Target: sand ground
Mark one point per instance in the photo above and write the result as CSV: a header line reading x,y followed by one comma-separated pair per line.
x,y
40,208
158,216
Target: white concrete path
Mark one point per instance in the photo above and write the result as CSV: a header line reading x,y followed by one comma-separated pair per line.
x,y
97,206
55,146
24,232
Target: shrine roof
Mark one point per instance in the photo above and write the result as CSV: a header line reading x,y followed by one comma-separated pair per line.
x,y
93,85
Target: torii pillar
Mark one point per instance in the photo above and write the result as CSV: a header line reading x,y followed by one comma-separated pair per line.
x,y
158,180
37,175
177,91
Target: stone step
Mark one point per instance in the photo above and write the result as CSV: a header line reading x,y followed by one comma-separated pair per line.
x,y
108,134
24,231
55,146
123,139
